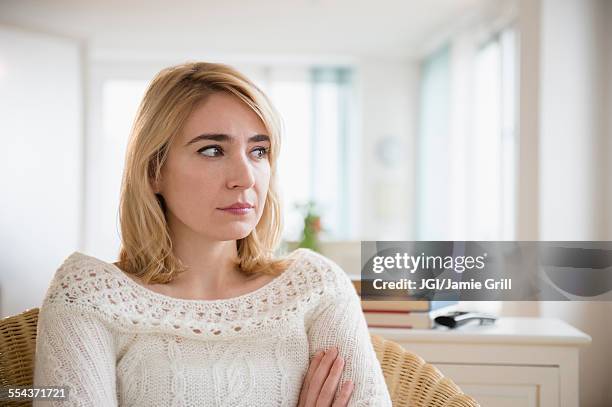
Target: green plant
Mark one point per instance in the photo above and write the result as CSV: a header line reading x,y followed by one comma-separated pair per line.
x,y
312,226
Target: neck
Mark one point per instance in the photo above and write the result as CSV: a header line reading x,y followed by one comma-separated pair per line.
x,y
210,269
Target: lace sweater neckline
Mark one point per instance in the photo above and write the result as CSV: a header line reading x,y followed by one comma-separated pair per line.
x,y
93,286
260,292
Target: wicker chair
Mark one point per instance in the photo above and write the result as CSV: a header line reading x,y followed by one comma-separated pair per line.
x,y
410,380
414,383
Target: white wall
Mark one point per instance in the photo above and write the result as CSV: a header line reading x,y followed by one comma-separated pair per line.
x,y
607,35
573,163
389,91
529,119
40,169
571,122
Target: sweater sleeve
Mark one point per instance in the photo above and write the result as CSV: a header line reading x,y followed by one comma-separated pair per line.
x,y
75,349
339,321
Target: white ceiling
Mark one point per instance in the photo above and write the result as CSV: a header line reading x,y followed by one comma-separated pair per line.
x,y
382,28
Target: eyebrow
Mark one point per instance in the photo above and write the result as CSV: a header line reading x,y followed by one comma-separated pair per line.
x,y
224,137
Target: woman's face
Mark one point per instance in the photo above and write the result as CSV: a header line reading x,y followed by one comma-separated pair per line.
x,y
220,159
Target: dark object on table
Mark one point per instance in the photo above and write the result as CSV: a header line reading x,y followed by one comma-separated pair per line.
x,y
458,318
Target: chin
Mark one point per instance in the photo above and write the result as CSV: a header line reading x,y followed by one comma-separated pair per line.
x,y
233,234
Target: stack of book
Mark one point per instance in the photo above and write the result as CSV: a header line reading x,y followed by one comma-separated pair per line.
x,y
402,313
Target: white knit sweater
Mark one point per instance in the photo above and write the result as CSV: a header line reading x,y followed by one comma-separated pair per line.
x,y
115,342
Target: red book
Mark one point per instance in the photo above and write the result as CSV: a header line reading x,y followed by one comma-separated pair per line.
x,y
405,319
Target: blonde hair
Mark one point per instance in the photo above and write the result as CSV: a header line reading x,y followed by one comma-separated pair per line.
x,y
146,246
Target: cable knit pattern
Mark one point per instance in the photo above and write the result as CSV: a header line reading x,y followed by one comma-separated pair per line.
x,y
115,342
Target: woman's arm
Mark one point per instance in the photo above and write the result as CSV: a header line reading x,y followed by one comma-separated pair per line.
x,y
339,321
76,350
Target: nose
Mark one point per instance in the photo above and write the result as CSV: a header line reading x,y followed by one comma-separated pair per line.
x,y
240,175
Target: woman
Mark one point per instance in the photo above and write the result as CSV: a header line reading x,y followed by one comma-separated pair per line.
x,y
198,311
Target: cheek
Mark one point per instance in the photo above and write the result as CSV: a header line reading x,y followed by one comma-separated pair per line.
x,y
263,182
190,183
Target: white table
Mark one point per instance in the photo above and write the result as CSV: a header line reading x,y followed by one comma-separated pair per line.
x,y
516,362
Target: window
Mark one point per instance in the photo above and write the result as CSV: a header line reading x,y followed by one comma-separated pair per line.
x,y
467,137
492,163
315,106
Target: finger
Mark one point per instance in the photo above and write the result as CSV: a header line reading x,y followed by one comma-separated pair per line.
x,y
328,391
319,376
345,394
314,363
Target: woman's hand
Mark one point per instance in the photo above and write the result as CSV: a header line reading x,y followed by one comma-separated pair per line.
x,y
322,379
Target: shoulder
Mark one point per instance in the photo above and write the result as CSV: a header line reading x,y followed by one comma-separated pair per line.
x,y
322,273
80,279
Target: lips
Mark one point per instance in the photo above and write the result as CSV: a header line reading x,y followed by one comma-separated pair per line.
x,y
238,205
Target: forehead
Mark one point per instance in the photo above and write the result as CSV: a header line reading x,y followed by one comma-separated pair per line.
x,y
223,113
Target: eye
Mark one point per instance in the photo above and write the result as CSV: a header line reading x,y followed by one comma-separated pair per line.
x,y
211,151
261,152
